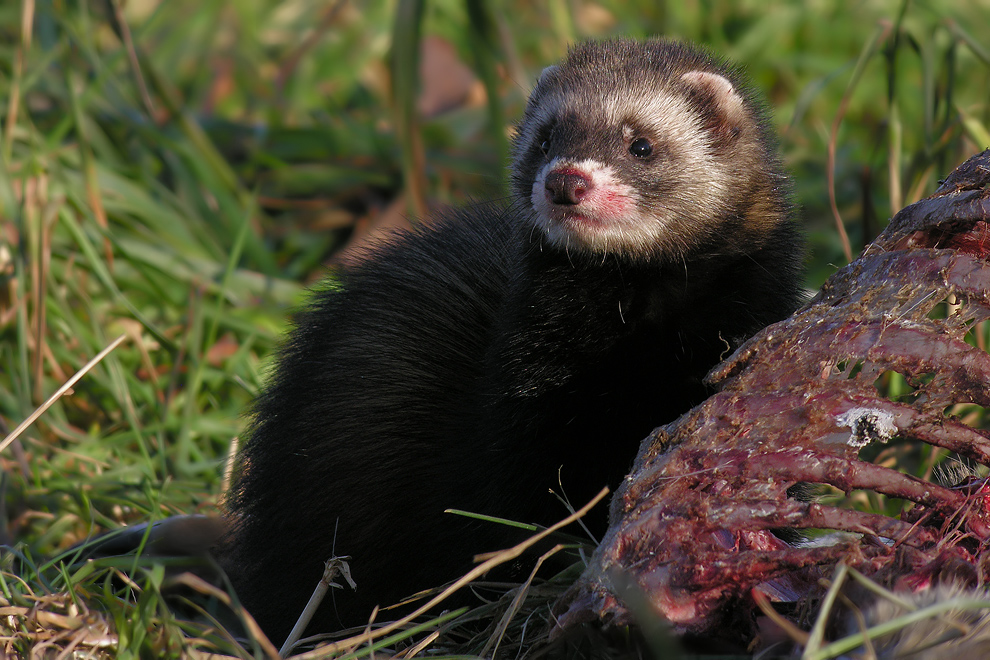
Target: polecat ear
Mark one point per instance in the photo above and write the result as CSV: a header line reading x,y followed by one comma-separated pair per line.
x,y
718,91
546,73
718,101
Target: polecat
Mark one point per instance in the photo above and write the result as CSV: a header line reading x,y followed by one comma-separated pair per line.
x,y
470,363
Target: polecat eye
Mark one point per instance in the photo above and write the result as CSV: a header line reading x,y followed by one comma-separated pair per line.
x,y
544,137
641,148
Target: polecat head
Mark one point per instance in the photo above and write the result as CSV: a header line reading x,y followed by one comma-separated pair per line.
x,y
647,150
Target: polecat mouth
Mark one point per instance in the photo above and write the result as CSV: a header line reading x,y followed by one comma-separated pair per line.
x,y
569,218
581,199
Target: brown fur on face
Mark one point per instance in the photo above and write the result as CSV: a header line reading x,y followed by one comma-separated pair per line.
x,y
712,181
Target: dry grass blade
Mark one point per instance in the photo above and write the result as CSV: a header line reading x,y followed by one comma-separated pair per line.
x,y
56,621
491,648
335,566
881,34
13,103
196,583
499,558
13,435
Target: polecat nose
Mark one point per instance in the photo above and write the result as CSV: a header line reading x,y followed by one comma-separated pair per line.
x,y
567,186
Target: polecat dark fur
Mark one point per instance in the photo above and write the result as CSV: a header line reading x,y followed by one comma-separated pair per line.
x,y
470,362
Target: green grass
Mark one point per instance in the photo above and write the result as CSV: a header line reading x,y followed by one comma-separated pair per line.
x,y
181,177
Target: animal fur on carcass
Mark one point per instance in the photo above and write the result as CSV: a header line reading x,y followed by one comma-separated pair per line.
x,y
690,528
